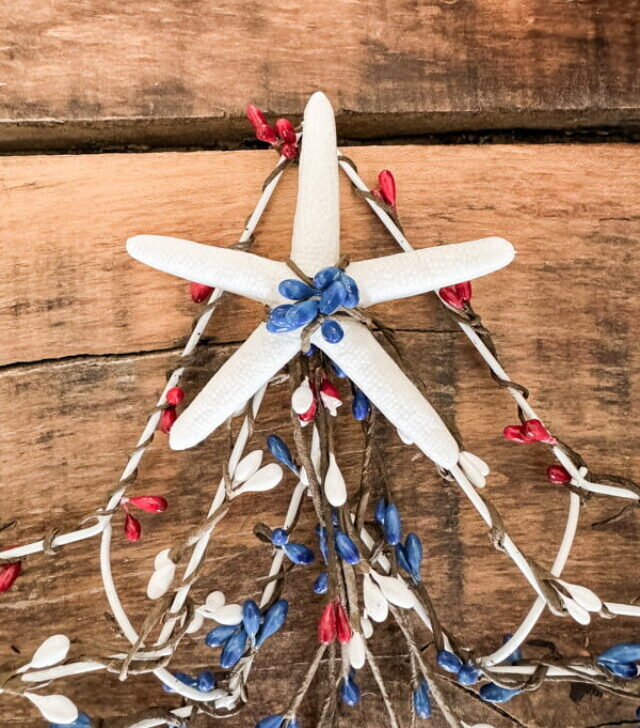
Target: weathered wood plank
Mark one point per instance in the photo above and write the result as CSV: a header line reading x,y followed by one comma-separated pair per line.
x,y
93,73
50,474
69,287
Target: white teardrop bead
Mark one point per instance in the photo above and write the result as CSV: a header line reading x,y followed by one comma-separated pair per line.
x,y
334,486
214,601
357,651
54,708
162,558
395,590
196,623
230,614
52,651
248,466
302,398
367,627
374,600
161,580
265,479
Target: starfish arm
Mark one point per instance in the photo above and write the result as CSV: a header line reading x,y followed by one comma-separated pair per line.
x,y
316,228
232,270
373,371
260,357
428,269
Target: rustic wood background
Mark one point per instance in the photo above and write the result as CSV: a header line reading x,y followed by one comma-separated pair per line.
x,y
87,333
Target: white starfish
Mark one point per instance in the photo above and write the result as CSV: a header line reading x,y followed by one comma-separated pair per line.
x,y
316,245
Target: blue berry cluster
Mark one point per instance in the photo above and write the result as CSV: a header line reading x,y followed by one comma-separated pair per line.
x,y
296,552
409,554
331,289
345,547
256,627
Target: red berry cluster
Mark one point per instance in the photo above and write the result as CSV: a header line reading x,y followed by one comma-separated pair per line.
x,y
334,624
148,503
456,296
169,415
386,190
283,137
529,431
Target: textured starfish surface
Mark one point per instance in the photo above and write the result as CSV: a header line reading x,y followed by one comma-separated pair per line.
x,y
315,250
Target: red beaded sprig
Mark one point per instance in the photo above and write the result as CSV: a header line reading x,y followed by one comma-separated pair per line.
x,y
282,138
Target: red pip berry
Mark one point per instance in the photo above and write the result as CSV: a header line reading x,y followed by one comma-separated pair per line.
x,y
266,133
289,151
132,528
387,187
529,431
327,629
535,431
148,503
514,433
255,116
557,474
8,574
167,418
175,395
286,131
457,295
199,292
343,627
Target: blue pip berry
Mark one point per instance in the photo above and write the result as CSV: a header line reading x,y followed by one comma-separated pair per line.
x,y
392,525
468,674
331,331
353,295
273,620
349,691
360,406
516,655
82,721
302,313
205,681
322,542
271,721
233,650
310,351
277,321
281,452
279,537
624,652
381,509
251,618
219,635
492,693
413,551
183,678
638,713
299,553
321,584
346,549
295,290
421,701
401,555
332,298
326,276
448,661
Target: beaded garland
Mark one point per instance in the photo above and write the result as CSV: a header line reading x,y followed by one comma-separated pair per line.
x,y
372,569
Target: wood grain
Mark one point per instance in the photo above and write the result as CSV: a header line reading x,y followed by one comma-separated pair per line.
x,y
93,72
79,375
69,288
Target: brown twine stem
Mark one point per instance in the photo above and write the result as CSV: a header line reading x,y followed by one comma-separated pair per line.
x,y
377,676
302,690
